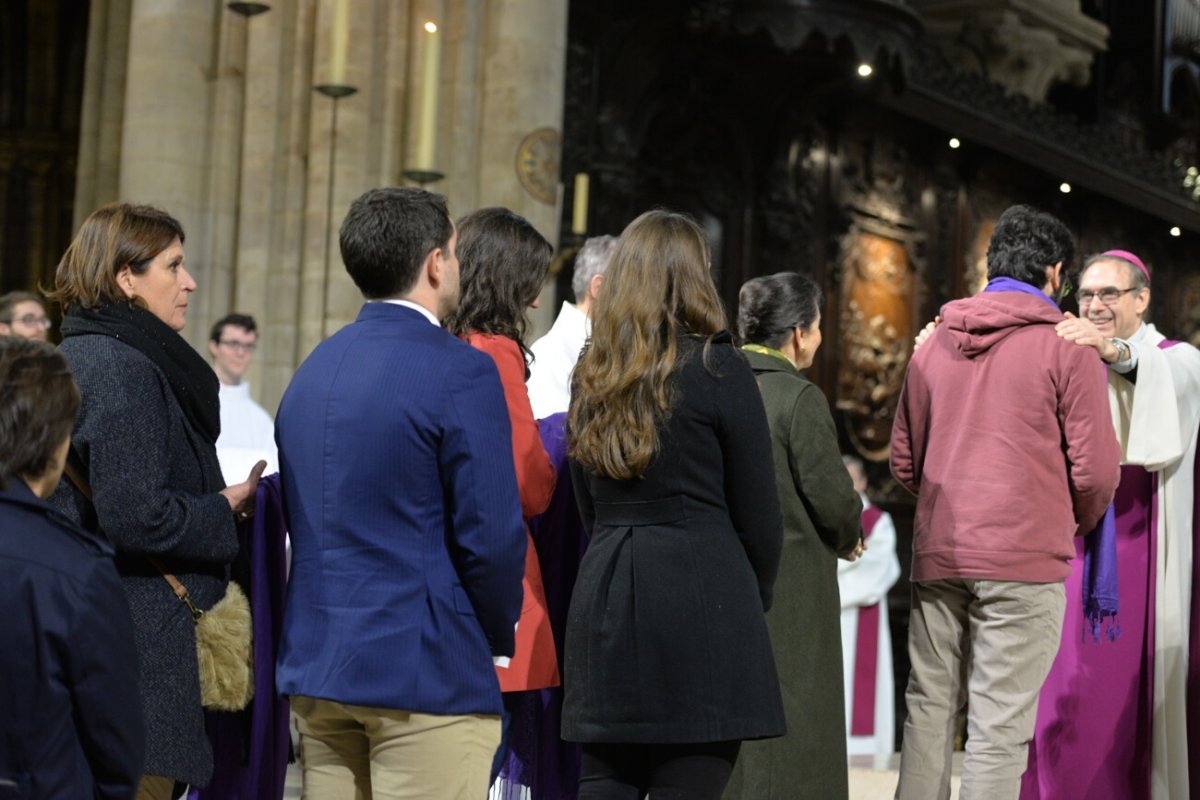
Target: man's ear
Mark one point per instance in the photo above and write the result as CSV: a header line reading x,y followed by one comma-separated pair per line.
x,y
432,267
212,348
594,285
1054,275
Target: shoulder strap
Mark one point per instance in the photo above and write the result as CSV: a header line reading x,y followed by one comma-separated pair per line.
x,y
74,477
178,588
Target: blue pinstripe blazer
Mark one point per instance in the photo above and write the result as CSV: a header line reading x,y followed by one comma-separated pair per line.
x,y
408,544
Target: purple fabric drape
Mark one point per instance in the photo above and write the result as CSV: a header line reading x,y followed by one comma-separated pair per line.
x,y
537,756
251,748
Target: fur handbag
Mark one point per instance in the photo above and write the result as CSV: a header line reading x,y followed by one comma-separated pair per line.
x,y
224,646
224,634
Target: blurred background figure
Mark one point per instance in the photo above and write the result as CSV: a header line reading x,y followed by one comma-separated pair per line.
x,y
503,262
23,314
555,354
866,637
70,719
247,430
145,458
779,323
668,659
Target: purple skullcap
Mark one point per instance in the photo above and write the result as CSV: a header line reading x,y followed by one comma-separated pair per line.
x,y
1131,258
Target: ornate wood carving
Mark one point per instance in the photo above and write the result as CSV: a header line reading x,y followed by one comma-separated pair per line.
x,y
876,329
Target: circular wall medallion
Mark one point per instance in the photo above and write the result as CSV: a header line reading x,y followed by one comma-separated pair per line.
x,y
537,164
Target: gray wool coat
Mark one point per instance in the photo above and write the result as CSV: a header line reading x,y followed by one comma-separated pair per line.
x,y
155,494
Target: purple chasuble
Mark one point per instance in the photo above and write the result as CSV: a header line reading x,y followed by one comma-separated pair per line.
x,y
1092,739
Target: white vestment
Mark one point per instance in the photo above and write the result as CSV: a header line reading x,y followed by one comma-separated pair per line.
x,y
554,357
1156,420
866,582
247,435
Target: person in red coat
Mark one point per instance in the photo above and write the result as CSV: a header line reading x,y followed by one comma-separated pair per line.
x,y
503,262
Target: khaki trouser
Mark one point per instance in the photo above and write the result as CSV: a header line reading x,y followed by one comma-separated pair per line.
x,y
989,644
152,787
358,753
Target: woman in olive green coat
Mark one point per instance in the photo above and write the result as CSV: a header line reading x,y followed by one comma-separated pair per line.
x,y
779,318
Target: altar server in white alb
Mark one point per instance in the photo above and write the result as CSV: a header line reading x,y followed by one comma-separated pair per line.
x,y
866,638
555,354
247,430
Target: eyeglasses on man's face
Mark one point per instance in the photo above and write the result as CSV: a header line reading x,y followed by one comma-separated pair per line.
x,y
241,347
31,321
1108,295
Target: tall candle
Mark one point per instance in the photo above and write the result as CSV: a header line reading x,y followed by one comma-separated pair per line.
x,y
579,210
427,116
339,40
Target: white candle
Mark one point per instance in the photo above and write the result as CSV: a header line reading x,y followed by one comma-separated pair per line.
x,y
428,98
339,40
579,210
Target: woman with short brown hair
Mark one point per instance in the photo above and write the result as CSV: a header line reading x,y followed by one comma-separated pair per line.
x,y
144,446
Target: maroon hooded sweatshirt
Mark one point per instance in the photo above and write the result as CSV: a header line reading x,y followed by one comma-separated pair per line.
x,y
1003,433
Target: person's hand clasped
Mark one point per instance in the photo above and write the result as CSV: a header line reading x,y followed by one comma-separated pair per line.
x,y
859,549
241,495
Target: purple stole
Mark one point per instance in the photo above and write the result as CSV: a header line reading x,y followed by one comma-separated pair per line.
x,y
866,651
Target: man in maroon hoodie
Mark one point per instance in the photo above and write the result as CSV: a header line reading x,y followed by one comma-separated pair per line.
x,y
1003,434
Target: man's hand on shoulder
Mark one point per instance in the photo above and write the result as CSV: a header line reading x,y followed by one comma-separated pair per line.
x,y
1081,331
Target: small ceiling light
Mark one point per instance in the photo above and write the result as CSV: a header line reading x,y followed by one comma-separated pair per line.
x,y
431,27
1064,187
865,70
955,143
1176,232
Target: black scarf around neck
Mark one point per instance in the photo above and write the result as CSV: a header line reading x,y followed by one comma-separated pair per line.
x,y
192,381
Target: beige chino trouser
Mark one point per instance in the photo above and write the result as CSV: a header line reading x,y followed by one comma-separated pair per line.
x,y
989,644
357,753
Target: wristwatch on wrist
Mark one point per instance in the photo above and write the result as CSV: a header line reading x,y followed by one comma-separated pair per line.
x,y
1122,349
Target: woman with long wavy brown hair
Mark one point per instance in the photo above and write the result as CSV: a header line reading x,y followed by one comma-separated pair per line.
x,y
668,663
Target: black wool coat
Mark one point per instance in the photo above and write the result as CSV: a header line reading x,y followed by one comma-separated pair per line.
x,y
154,495
666,640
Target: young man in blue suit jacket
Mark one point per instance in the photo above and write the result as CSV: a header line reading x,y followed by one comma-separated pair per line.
x,y
408,543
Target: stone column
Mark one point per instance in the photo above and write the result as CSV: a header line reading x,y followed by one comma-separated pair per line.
x,y
167,133
96,179
523,74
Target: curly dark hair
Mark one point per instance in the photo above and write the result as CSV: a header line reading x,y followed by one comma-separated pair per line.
x,y
503,262
1027,241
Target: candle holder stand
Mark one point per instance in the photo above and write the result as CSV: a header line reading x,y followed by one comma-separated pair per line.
x,y
423,176
335,92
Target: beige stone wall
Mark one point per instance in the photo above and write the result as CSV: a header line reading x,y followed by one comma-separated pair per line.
x,y
213,116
